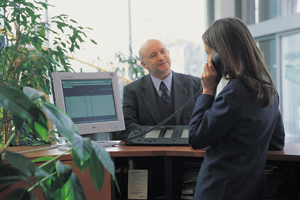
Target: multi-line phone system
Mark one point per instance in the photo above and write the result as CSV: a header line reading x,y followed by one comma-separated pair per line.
x,y
165,135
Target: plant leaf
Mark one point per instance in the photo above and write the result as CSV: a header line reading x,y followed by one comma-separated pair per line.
x,y
41,130
42,159
80,165
73,189
1,161
20,162
55,184
42,32
18,122
82,147
32,93
62,122
104,157
96,171
93,41
40,173
18,103
72,20
63,171
19,194
9,175
48,194
7,180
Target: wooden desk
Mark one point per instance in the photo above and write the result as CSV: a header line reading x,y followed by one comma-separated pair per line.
x,y
290,154
136,151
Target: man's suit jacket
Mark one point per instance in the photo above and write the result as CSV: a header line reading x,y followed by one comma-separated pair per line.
x,y
236,133
140,106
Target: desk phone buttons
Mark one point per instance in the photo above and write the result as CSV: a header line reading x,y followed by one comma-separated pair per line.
x,y
174,137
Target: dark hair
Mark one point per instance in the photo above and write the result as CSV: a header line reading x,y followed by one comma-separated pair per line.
x,y
241,57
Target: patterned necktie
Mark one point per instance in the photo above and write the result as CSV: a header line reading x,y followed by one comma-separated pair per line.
x,y
164,95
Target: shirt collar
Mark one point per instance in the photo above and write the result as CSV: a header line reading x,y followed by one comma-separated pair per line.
x,y
167,81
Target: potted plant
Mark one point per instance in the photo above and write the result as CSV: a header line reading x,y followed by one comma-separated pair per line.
x,y
24,61
55,180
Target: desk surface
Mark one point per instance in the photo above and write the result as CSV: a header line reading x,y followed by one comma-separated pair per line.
x,y
291,152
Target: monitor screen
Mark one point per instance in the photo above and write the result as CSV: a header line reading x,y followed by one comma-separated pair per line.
x,y
91,100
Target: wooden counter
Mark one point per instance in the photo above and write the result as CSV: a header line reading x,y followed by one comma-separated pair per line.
x,y
291,153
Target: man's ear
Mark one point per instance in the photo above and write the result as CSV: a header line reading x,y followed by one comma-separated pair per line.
x,y
144,65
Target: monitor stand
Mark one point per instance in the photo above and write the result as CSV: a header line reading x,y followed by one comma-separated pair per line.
x,y
103,139
98,136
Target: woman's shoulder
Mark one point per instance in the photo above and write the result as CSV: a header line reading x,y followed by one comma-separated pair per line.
x,y
236,88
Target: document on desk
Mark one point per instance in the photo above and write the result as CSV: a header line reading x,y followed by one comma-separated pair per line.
x,y
137,184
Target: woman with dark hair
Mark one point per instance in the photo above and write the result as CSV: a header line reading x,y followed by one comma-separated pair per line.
x,y
240,125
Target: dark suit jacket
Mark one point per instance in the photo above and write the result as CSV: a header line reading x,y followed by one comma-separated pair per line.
x,y
236,133
140,106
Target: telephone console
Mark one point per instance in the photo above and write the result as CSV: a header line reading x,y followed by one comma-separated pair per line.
x,y
165,135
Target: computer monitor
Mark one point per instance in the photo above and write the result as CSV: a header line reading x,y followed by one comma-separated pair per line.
x,y
91,100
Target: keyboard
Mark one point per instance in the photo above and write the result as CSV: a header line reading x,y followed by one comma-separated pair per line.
x,y
103,143
107,143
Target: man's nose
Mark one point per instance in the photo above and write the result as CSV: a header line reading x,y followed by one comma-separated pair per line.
x,y
160,56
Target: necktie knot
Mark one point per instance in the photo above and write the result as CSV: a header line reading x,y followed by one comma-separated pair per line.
x,y
164,92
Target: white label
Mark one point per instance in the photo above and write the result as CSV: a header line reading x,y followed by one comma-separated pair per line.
x,y
137,184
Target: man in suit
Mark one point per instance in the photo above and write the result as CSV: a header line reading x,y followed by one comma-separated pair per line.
x,y
147,102
143,104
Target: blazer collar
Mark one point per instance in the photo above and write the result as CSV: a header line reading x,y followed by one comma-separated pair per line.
x,y
180,95
148,96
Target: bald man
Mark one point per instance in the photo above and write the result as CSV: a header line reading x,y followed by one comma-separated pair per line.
x,y
148,101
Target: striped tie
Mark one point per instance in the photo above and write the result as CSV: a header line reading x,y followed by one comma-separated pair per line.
x,y
164,95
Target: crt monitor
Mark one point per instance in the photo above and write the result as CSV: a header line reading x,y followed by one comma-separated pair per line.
x,y
91,100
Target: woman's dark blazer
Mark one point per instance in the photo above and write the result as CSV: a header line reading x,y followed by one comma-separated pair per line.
x,y
236,133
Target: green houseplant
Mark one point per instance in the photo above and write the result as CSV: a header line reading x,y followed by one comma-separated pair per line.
x,y
135,69
55,180
24,61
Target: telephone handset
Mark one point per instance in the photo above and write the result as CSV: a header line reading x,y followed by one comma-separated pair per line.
x,y
132,135
217,62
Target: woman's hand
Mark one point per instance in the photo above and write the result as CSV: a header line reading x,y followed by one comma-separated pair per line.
x,y
210,78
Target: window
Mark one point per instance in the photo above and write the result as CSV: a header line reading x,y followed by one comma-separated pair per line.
x,y
290,91
170,21
278,36
261,10
268,49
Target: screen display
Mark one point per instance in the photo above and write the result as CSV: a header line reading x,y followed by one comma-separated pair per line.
x,y
169,133
153,134
185,133
89,101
